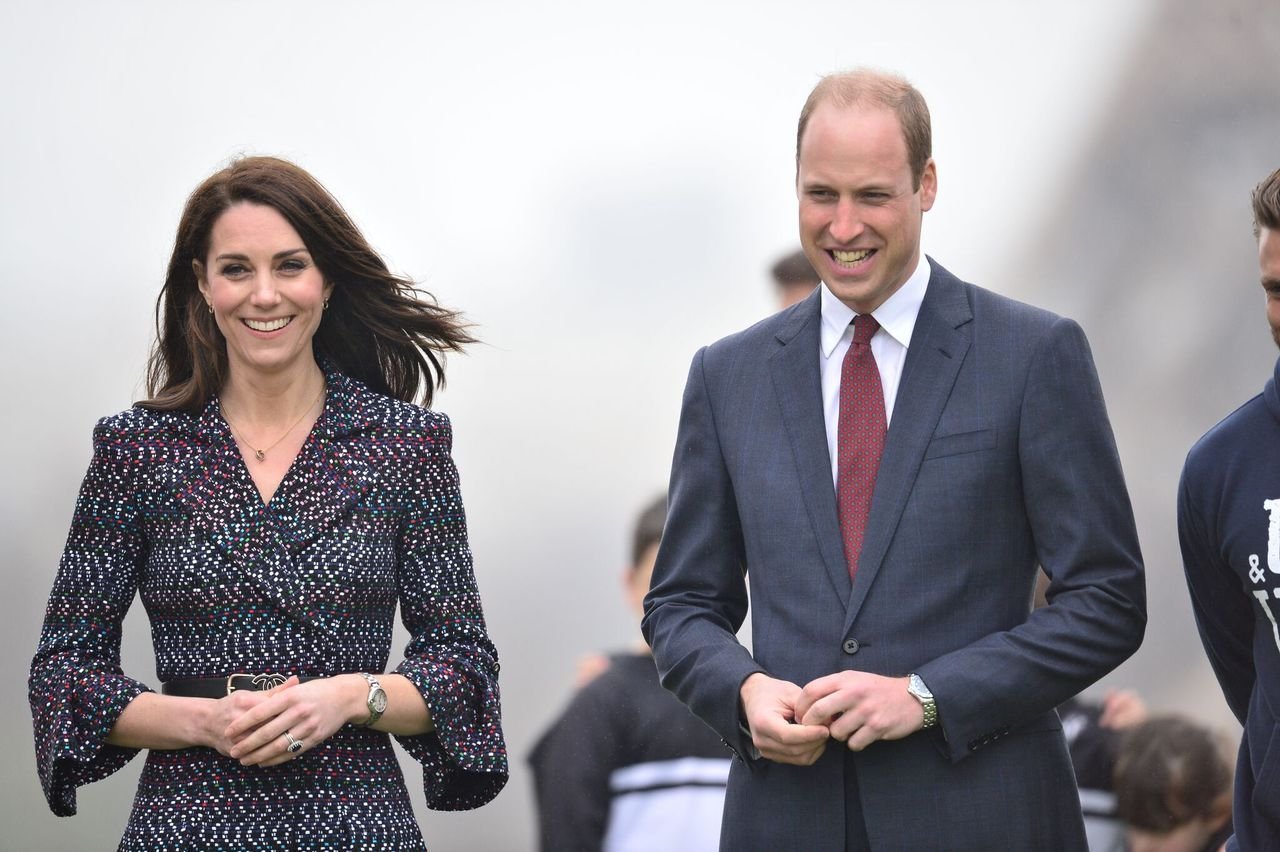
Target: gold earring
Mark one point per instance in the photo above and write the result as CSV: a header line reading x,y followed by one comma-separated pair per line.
x,y
326,304
210,304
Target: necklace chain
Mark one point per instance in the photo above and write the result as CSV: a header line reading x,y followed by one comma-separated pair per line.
x,y
261,454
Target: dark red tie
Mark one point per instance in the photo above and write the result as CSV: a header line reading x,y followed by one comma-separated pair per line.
x,y
860,437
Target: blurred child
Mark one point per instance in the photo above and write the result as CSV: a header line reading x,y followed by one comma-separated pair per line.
x,y
626,765
1173,787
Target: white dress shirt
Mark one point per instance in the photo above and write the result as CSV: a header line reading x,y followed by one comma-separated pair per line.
x,y
897,318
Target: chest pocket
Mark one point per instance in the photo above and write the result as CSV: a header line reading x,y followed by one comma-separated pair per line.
x,y
961,442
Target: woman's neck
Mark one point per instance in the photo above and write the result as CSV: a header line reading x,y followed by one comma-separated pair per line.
x,y
258,401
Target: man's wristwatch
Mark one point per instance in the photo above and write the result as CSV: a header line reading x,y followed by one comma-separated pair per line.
x,y
377,700
922,694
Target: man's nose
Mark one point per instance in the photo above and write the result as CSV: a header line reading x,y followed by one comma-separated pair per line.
x,y
846,223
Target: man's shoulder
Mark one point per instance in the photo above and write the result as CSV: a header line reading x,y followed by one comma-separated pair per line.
x,y
782,325
997,304
626,674
750,348
1250,429
957,301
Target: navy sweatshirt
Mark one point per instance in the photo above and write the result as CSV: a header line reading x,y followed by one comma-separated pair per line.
x,y
1229,529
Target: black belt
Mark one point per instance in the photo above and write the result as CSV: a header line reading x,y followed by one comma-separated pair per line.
x,y
220,687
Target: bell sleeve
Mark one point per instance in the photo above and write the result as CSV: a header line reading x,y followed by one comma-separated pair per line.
x,y
76,687
449,657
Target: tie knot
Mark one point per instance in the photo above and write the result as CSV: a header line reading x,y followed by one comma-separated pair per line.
x,y
864,326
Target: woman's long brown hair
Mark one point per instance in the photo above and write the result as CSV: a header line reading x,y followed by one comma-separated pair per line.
x,y
379,328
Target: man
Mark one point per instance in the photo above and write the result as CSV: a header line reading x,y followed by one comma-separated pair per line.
x,y
627,766
890,509
1229,528
793,278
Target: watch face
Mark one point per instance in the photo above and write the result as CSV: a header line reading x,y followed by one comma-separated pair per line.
x,y
378,701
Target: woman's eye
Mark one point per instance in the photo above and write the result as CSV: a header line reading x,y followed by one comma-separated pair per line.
x,y
293,265
231,270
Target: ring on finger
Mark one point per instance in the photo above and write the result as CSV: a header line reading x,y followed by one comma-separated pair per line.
x,y
295,745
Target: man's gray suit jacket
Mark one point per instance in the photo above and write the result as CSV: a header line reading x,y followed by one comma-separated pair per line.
x,y
999,458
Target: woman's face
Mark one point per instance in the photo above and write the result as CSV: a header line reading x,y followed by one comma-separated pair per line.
x,y
266,292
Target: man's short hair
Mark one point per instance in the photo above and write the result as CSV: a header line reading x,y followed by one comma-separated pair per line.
x,y
866,86
794,269
1266,204
648,531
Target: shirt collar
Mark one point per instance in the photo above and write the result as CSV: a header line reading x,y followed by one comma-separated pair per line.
x,y
897,315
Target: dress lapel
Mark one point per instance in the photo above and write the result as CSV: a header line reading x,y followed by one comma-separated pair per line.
x,y
333,470
939,344
798,386
265,544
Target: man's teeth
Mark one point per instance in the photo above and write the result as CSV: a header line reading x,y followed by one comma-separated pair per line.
x,y
849,257
267,325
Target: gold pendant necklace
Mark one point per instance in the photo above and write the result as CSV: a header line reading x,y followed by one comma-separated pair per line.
x,y
261,454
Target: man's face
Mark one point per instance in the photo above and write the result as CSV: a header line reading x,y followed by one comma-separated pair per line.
x,y
859,215
1269,264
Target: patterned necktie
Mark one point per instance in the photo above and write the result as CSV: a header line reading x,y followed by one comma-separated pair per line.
x,y
860,437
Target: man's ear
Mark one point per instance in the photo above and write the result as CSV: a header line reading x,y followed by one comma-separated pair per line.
x,y
928,185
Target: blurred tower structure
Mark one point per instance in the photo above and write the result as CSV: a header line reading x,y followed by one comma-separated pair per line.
x,y
1150,247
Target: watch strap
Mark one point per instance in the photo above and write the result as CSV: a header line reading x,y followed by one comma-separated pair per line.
x,y
916,686
375,711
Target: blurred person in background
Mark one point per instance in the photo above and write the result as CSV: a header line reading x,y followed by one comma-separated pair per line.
x,y
899,694
1093,730
1173,787
626,766
793,278
1229,531
272,501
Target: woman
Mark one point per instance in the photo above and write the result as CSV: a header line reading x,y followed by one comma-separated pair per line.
x,y
272,502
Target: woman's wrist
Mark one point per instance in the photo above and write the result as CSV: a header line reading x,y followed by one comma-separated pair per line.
x,y
358,708
201,721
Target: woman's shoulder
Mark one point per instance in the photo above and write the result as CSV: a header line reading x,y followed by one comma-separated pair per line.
x,y
139,435
139,422
387,413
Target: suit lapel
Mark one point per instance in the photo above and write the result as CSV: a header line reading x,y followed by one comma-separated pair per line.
x,y
939,344
796,382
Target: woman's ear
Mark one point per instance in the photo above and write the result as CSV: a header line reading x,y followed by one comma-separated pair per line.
x,y
202,281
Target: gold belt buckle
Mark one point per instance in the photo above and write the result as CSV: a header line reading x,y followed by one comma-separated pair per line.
x,y
260,682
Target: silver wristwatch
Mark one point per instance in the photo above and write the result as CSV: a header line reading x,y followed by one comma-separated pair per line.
x,y
922,694
377,700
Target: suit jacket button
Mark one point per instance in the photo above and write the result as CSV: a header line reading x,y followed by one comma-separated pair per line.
x,y
850,646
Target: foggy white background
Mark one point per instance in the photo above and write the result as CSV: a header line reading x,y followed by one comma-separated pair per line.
x,y
600,187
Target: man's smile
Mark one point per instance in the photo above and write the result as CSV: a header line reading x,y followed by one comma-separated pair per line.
x,y
850,259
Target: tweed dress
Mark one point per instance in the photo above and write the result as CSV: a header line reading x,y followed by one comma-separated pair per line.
x,y
368,516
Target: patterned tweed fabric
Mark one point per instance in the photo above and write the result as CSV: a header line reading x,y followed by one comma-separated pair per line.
x,y
370,514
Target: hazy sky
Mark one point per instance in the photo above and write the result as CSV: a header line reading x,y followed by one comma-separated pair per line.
x,y
601,188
